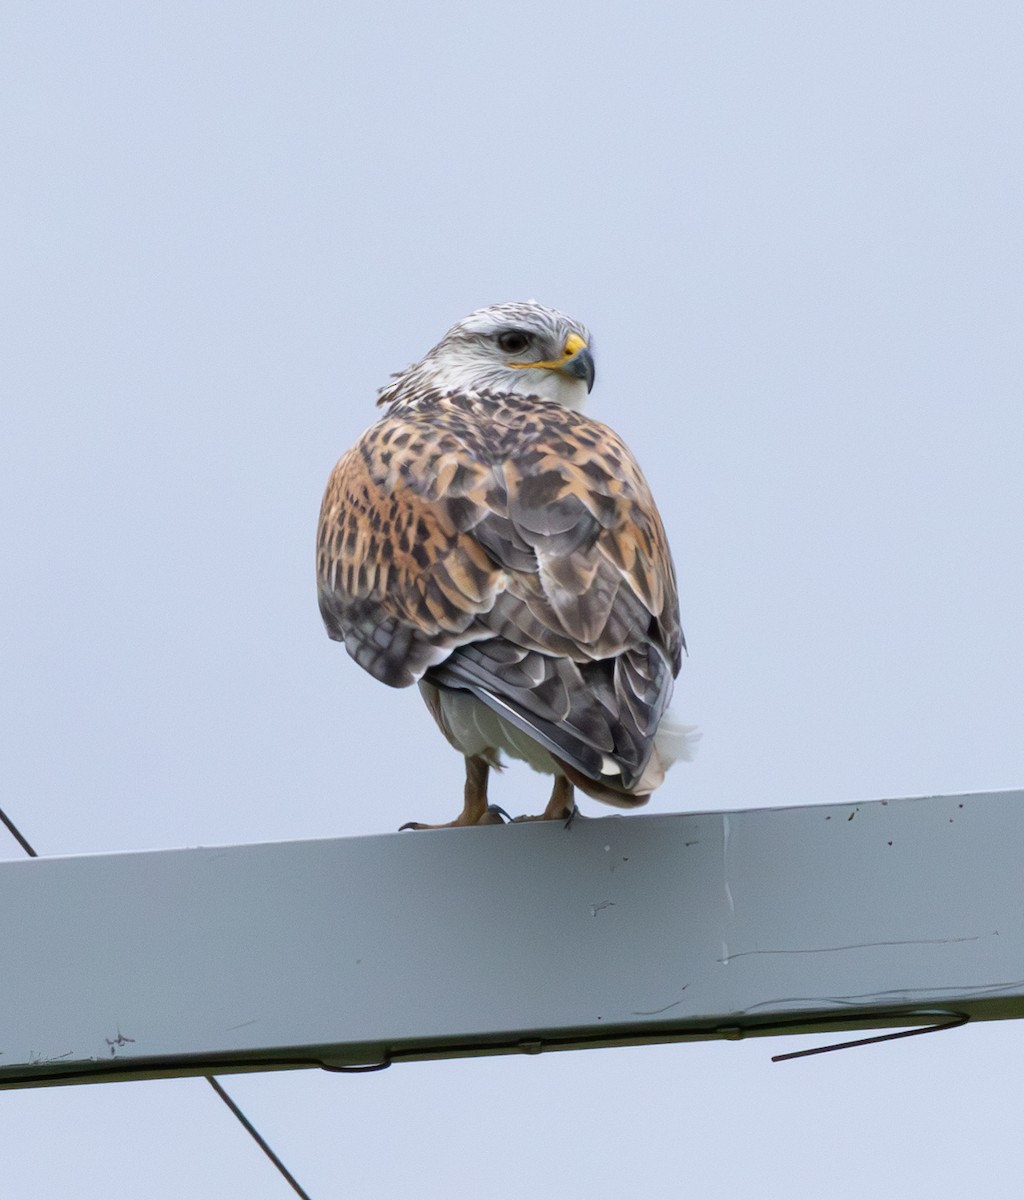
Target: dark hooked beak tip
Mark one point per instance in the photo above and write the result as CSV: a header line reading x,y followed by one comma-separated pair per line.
x,y
581,366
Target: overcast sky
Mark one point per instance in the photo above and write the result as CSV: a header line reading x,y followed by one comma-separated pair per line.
x,y
796,232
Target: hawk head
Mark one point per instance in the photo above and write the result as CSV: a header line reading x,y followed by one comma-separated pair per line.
x,y
524,349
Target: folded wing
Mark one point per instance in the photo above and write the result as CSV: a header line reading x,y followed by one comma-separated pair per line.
x,y
509,547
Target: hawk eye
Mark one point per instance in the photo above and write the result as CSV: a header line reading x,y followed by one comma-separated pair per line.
x,y
513,341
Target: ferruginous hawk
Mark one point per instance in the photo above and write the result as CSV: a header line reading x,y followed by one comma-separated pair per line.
x,y
485,540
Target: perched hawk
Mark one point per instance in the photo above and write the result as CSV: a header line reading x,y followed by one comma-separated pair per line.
x,y
486,541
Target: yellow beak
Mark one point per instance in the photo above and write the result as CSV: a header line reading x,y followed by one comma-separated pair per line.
x,y
576,361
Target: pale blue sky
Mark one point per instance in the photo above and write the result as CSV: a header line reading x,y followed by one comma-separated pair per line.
x,y
795,230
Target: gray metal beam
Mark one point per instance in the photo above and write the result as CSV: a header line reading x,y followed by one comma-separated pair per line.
x,y
523,938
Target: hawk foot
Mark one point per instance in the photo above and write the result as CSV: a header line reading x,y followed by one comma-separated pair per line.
x,y
567,814
492,815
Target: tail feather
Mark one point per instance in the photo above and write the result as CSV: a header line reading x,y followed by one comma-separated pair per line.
x,y
674,741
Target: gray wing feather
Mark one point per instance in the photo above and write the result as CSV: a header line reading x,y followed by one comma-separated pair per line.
x,y
511,548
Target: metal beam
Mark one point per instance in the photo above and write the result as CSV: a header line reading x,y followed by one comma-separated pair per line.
x,y
619,930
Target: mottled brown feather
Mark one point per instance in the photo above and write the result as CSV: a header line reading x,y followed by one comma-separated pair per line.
x,y
522,527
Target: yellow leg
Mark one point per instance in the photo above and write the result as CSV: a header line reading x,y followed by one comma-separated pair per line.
x,y
561,806
475,810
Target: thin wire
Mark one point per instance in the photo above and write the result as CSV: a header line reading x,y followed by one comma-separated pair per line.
x,y
255,1135
246,1124
955,1021
17,835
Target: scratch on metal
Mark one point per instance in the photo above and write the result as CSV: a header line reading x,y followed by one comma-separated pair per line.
x,y
863,946
653,1012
